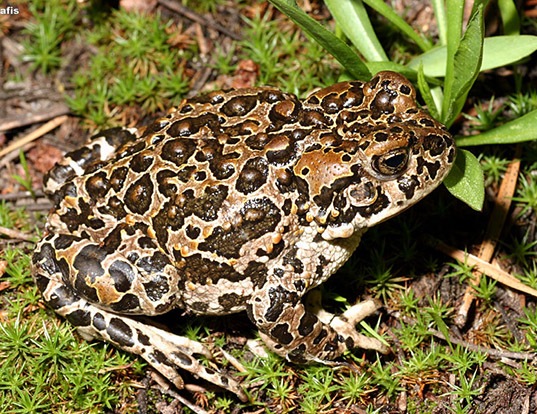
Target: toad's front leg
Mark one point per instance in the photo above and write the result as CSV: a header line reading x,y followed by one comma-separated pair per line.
x,y
166,352
304,333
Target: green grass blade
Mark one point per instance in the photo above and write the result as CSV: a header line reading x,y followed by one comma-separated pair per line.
x,y
352,18
454,31
465,180
328,40
510,18
382,8
498,51
426,94
466,64
441,20
518,130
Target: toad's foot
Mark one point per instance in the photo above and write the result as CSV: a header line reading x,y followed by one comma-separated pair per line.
x,y
166,352
346,323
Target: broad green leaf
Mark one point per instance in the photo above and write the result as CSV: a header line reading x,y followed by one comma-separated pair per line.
x,y
510,19
519,130
333,45
351,16
426,94
465,180
497,51
382,8
466,64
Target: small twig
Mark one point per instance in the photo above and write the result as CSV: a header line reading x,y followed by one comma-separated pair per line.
x,y
42,130
477,348
17,122
496,353
485,267
492,234
233,361
30,95
19,195
16,234
184,401
189,14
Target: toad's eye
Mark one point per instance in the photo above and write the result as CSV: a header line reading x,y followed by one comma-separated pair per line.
x,y
391,163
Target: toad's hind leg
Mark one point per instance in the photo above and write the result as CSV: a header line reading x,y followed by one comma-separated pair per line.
x,y
166,352
100,147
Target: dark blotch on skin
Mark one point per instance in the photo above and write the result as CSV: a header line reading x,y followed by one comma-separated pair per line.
x,y
199,307
154,264
239,106
313,118
405,89
169,217
383,103
291,259
178,151
354,96
408,186
141,162
319,338
185,127
160,357
380,204
228,301
257,272
183,358
122,273
113,239
283,156
127,304
201,271
332,103
206,206
99,322
97,185
279,298
435,144
253,175
164,186
192,232
130,149
283,113
139,195
143,338
296,356
79,317
88,263
114,208
63,241
258,141
116,137
120,333
156,288
281,334
307,323
74,219
117,179
319,270
259,216
432,167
